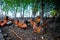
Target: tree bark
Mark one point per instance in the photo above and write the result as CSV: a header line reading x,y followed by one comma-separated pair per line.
x,y
23,12
15,12
42,8
6,13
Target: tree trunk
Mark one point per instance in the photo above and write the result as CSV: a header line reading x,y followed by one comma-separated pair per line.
x,y
23,13
2,13
42,8
15,12
34,15
6,13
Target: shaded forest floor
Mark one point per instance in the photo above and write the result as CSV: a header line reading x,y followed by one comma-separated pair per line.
x,y
26,34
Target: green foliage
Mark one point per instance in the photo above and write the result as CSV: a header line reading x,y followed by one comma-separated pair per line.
x,y
36,5
5,8
53,12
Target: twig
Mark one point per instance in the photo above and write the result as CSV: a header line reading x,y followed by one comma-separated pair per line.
x,y
16,34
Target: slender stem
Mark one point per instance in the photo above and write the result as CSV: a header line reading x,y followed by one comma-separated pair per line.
x,y
16,34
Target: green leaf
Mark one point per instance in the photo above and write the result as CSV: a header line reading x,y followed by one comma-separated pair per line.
x,y
53,12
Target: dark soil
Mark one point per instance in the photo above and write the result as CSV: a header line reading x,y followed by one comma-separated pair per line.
x,y
27,34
